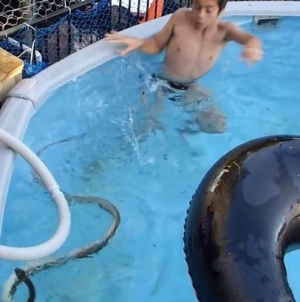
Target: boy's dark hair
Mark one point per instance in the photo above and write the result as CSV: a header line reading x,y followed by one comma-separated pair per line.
x,y
222,4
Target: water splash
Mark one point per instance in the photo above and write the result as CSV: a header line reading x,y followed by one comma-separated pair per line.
x,y
132,138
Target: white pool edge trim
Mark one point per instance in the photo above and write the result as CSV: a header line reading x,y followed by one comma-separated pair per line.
x,y
29,94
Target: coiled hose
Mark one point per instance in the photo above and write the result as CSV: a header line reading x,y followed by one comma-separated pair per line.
x,y
23,275
84,252
62,231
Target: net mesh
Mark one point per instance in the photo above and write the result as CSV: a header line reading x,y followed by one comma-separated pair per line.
x,y
42,32
14,12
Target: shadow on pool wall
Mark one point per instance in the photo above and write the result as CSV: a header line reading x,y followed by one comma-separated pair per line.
x,y
25,99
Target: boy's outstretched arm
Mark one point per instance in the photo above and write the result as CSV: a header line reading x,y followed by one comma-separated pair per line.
x,y
153,45
252,51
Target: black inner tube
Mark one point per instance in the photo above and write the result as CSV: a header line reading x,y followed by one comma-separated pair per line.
x,y
243,218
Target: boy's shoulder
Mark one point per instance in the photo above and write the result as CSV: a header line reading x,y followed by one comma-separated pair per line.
x,y
228,26
181,15
180,12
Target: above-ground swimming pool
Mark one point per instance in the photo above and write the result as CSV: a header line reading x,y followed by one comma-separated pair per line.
x,y
96,136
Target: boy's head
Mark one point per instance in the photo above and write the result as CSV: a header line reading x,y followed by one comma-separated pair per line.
x,y
207,12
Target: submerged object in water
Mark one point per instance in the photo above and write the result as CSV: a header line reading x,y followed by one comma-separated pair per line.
x,y
211,120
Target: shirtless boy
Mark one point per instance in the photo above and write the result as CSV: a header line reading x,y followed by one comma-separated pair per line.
x,y
193,40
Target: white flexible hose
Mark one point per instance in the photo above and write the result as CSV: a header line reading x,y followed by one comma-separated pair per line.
x,y
63,229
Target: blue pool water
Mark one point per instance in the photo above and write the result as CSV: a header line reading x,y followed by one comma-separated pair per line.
x,y
99,143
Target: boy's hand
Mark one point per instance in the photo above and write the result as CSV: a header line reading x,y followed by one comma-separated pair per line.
x,y
130,42
252,51
252,54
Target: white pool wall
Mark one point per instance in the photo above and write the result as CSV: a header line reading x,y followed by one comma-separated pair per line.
x,y
28,95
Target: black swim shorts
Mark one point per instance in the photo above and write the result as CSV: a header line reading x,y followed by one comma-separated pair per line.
x,y
172,89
